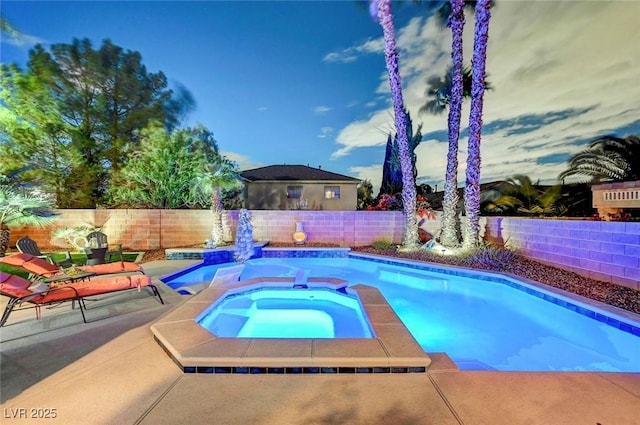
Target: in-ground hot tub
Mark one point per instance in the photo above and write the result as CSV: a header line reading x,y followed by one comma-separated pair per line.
x,y
298,312
379,344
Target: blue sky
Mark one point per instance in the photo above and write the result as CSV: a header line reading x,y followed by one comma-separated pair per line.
x,y
304,82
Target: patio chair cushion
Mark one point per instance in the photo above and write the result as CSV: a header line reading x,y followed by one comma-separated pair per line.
x,y
14,286
17,259
39,267
111,268
103,286
17,289
32,264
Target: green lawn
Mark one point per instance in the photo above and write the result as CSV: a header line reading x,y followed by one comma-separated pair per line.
x,y
81,259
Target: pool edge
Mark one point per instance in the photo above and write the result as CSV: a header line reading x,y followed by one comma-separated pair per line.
x,y
195,350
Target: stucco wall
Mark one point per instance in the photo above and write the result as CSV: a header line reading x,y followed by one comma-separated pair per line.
x,y
608,251
273,196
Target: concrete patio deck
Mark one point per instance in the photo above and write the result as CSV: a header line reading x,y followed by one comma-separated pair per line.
x,y
111,371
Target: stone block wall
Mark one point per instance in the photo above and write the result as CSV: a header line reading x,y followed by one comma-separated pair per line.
x,y
154,229
607,251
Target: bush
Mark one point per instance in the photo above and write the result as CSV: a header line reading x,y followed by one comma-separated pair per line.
x,y
490,256
382,244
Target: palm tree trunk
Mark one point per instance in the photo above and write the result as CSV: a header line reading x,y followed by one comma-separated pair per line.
x,y
5,234
217,232
472,187
449,236
385,17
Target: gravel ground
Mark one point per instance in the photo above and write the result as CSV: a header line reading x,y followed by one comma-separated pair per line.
x,y
615,295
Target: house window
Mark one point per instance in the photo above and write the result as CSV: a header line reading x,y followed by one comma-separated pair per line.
x,y
332,192
294,192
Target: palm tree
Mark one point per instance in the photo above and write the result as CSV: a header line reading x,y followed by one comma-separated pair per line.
x,y
440,96
220,174
519,194
471,232
439,91
449,235
607,158
450,91
381,9
21,208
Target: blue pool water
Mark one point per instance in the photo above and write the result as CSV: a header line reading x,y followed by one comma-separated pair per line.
x,y
498,323
287,313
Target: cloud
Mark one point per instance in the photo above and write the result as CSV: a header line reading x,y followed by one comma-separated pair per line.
x,y
322,109
352,53
363,134
22,40
565,74
243,161
325,132
372,173
261,108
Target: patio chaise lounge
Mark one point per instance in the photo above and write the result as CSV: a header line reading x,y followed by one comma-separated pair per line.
x,y
42,268
23,291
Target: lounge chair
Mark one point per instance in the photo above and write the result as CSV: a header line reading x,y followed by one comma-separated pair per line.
x,y
38,267
28,246
223,277
100,241
22,291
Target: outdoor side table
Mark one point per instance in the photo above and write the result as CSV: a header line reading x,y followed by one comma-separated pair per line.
x,y
65,278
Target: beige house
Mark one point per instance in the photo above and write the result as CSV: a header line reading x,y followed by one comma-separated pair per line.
x,y
611,199
298,187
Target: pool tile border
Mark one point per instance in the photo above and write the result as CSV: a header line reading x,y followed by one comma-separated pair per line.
x,y
196,350
573,302
550,294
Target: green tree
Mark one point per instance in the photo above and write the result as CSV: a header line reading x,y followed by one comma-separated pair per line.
x,y
103,97
33,136
391,170
381,9
181,169
608,158
160,173
365,194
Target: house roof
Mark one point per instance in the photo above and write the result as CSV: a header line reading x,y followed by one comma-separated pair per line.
x,y
293,173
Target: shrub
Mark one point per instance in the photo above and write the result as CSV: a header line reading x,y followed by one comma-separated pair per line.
x,y
490,256
382,244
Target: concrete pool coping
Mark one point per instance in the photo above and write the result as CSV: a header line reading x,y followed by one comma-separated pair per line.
x,y
112,371
196,350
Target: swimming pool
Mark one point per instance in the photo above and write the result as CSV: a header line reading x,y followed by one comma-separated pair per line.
x,y
482,321
286,313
